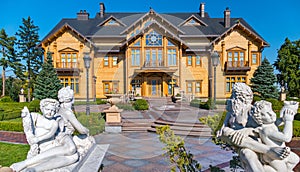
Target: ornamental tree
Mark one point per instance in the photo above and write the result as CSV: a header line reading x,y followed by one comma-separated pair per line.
x,y
47,83
263,81
288,65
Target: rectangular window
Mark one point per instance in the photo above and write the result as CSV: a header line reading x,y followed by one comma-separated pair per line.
x,y
189,87
172,57
198,61
230,81
106,64
189,60
254,58
106,87
115,61
135,57
198,87
73,82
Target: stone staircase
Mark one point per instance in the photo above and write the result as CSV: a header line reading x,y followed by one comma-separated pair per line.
x,y
183,128
136,125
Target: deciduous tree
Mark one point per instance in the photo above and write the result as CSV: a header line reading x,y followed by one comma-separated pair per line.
x,y
7,51
288,64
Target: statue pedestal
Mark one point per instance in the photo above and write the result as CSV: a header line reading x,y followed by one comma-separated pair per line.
x,y
282,96
113,120
22,98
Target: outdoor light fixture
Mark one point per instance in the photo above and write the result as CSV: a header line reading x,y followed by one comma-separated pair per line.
x,y
215,58
87,64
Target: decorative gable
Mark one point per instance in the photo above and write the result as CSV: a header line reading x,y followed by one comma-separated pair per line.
x,y
68,49
193,21
111,21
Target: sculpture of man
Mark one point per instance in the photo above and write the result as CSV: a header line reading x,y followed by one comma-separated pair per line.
x,y
269,134
47,128
238,126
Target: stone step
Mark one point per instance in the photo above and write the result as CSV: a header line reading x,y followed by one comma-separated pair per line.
x,y
177,123
187,133
185,128
135,129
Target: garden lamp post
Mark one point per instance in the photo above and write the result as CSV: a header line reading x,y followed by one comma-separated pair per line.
x,y
87,63
215,58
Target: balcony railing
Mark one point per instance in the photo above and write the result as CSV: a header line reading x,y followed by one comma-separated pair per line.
x,y
67,65
237,66
152,64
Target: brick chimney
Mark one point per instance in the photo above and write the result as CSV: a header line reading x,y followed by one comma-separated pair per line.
x,y
83,15
202,9
102,9
227,18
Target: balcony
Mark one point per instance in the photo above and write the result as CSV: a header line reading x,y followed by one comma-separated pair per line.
x,y
154,64
237,66
67,68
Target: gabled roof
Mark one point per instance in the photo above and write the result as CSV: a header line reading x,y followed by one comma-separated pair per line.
x,y
240,23
154,23
151,12
212,28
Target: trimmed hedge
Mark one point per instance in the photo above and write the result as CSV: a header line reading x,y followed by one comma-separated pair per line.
x,y
11,126
141,104
209,104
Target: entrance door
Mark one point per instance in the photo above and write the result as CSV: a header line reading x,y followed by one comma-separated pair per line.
x,y
154,87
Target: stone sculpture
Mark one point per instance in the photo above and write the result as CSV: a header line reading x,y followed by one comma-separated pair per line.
x,y
242,132
52,146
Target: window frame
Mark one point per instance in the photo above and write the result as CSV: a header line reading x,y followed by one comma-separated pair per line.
x,y
67,81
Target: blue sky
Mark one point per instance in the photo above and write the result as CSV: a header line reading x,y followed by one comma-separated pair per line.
x,y
274,20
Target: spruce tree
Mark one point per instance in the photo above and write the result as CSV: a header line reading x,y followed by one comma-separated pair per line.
x,y
29,53
263,81
47,83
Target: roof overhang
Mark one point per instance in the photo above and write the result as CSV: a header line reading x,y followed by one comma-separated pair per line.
x,y
62,29
244,28
147,28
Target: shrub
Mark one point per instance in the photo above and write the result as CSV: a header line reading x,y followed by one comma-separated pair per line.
x,y
196,103
34,106
215,122
6,99
11,126
125,106
276,104
178,155
100,101
256,98
141,104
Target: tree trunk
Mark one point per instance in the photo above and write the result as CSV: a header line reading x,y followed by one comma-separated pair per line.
x,y
28,94
3,82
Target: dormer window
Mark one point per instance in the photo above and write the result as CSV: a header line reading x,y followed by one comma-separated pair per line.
x,y
193,21
112,22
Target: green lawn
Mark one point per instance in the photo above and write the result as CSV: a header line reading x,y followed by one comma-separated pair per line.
x,y
11,153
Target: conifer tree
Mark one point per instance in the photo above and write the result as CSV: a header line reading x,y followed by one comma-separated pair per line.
x,y
29,53
263,81
47,83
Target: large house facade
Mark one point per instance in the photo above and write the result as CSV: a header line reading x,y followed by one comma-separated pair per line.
x,y
154,54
